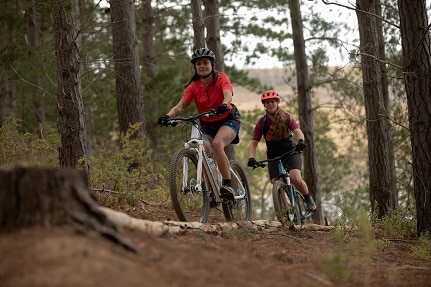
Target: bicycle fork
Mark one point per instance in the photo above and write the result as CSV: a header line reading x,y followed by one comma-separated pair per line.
x,y
201,165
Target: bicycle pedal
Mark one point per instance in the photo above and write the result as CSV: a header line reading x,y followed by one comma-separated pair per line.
x,y
227,199
213,203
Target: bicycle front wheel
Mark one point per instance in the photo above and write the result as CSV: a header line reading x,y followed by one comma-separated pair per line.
x,y
282,204
240,208
301,209
189,203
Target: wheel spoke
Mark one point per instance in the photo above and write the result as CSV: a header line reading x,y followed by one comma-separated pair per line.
x,y
189,203
240,208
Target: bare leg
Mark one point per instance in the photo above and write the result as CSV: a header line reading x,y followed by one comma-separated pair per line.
x,y
223,138
297,181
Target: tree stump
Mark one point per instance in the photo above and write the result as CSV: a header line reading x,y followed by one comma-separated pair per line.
x,y
50,197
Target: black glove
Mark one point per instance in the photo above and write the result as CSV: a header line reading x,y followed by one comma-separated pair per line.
x,y
221,109
300,146
252,162
163,120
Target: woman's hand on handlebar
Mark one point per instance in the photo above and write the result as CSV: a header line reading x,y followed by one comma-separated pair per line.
x,y
163,120
252,162
300,146
255,164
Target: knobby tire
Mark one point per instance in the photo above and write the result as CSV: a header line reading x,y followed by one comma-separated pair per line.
x,y
301,208
189,204
282,203
283,208
239,209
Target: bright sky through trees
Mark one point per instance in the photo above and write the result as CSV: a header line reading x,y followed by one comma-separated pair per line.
x,y
327,12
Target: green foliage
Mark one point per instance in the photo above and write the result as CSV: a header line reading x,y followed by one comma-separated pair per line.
x,y
335,266
383,244
132,172
363,235
18,146
396,224
423,247
352,223
354,230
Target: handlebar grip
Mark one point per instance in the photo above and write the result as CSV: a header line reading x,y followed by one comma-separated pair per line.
x,y
259,164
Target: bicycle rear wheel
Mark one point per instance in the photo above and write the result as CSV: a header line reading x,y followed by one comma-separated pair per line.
x,y
282,203
189,204
239,209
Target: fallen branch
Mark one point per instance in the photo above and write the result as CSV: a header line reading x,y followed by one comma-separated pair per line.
x,y
164,228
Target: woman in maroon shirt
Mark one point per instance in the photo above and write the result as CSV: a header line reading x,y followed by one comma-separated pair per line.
x,y
277,126
210,89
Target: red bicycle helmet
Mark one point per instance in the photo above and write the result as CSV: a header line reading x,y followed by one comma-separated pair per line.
x,y
268,95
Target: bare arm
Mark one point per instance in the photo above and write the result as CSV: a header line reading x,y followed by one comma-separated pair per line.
x,y
252,148
178,109
227,95
298,134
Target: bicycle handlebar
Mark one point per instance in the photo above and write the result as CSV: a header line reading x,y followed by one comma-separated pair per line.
x,y
262,163
175,121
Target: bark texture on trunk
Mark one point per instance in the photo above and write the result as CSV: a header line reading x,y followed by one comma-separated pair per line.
x,y
47,196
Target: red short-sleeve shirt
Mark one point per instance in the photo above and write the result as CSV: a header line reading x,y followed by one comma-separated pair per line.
x,y
208,97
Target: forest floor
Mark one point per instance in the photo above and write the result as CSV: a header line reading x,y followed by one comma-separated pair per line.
x,y
62,256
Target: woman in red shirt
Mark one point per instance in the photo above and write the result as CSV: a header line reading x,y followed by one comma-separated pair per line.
x,y
210,89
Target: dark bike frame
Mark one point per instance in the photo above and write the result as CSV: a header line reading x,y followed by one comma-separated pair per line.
x,y
295,204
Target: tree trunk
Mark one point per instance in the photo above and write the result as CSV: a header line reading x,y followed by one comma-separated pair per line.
x,y
7,44
47,196
387,101
311,167
382,180
417,75
149,55
149,67
212,24
130,106
71,121
33,45
7,94
198,24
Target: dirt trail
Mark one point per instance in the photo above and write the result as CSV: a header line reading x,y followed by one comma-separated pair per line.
x,y
60,256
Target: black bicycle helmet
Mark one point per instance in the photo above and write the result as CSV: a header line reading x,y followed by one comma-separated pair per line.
x,y
203,53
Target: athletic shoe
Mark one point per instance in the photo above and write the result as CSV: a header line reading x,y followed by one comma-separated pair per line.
x,y
311,206
226,193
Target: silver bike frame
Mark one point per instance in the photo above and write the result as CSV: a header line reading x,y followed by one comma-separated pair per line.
x,y
196,142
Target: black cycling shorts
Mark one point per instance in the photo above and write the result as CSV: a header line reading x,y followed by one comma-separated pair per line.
x,y
292,162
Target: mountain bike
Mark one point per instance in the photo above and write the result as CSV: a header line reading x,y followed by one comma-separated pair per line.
x,y
194,180
289,203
